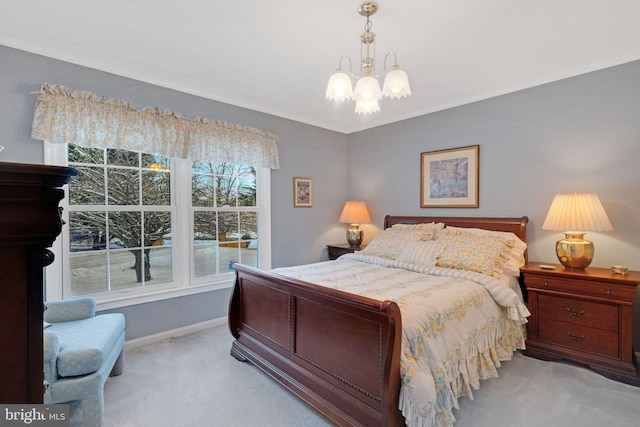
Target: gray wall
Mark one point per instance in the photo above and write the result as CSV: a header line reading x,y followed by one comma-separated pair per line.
x,y
299,235
576,135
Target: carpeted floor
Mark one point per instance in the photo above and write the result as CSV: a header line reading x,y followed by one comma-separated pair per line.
x,y
193,381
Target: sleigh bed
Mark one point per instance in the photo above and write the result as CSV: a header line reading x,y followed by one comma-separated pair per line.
x,y
332,332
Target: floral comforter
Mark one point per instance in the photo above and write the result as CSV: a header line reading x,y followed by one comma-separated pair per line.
x,y
457,326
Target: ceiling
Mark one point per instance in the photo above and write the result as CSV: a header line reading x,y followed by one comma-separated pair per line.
x,y
276,56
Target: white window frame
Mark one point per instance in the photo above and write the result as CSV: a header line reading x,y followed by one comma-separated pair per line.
x,y
57,283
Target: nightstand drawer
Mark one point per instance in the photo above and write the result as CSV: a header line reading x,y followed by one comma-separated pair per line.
x,y
579,312
582,338
580,287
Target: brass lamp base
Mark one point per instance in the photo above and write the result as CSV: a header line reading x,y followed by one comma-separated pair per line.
x,y
573,251
354,236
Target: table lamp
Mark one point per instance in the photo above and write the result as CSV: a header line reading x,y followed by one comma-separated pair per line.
x,y
355,213
579,213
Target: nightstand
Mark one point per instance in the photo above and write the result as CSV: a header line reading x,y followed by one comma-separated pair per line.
x,y
342,248
583,316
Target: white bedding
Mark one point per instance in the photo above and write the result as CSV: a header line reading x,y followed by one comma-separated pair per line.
x,y
457,326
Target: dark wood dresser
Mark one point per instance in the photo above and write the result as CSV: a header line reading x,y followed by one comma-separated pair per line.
x,y
584,316
29,223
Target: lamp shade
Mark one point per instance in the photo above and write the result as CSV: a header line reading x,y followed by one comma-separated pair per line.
x,y
367,89
367,107
355,212
396,84
577,212
339,87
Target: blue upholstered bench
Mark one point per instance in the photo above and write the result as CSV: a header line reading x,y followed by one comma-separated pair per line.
x,y
80,351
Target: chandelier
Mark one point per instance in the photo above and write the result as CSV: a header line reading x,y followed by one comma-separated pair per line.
x,y
367,92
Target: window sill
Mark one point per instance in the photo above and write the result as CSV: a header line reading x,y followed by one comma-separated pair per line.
x,y
126,299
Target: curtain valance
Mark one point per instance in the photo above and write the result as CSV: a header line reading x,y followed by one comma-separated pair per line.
x,y
89,120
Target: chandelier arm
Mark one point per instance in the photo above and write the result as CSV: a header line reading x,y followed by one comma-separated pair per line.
x,y
395,61
350,66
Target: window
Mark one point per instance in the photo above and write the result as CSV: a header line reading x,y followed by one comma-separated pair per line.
x,y
225,218
141,224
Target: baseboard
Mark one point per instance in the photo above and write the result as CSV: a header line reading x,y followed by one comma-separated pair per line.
x,y
173,333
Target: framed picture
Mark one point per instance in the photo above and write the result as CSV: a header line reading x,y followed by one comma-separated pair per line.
x,y
450,178
302,193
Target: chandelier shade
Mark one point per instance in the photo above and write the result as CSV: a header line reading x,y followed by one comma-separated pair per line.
x,y
396,84
367,94
339,87
367,91
367,107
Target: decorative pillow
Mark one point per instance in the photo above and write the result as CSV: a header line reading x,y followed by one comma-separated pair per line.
x,y
423,253
390,242
429,230
516,256
466,251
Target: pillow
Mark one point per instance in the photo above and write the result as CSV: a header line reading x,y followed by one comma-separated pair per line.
x,y
390,242
466,251
516,256
423,253
424,231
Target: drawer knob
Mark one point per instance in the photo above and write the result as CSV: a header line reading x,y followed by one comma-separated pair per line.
x,y
545,282
607,290
575,313
575,337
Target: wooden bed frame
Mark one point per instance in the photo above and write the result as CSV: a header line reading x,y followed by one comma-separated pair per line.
x,y
337,351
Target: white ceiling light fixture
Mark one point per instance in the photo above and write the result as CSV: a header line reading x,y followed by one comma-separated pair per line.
x,y
368,93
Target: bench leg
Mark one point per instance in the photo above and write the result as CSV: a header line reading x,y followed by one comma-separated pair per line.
x,y
118,367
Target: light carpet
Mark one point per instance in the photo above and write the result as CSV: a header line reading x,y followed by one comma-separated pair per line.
x,y
193,381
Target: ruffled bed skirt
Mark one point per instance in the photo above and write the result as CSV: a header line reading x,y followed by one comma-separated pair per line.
x,y
463,375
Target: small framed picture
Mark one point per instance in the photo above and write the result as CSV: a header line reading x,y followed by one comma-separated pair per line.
x,y
302,193
450,178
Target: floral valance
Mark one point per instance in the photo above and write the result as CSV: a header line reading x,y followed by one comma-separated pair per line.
x,y
89,120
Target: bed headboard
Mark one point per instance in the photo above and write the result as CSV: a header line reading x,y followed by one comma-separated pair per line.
x,y
518,226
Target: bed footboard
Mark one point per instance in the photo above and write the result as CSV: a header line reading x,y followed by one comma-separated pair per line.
x,y
338,352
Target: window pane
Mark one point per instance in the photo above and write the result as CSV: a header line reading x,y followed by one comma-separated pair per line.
x,y
157,228
247,188
155,161
88,187
249,254
226,191
122,158
85,155
87,231
229,253
204,227
123,187
205,240
156,188
88,272
125,229
248,225
160,265
126,269
202,190
205,258
228,226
